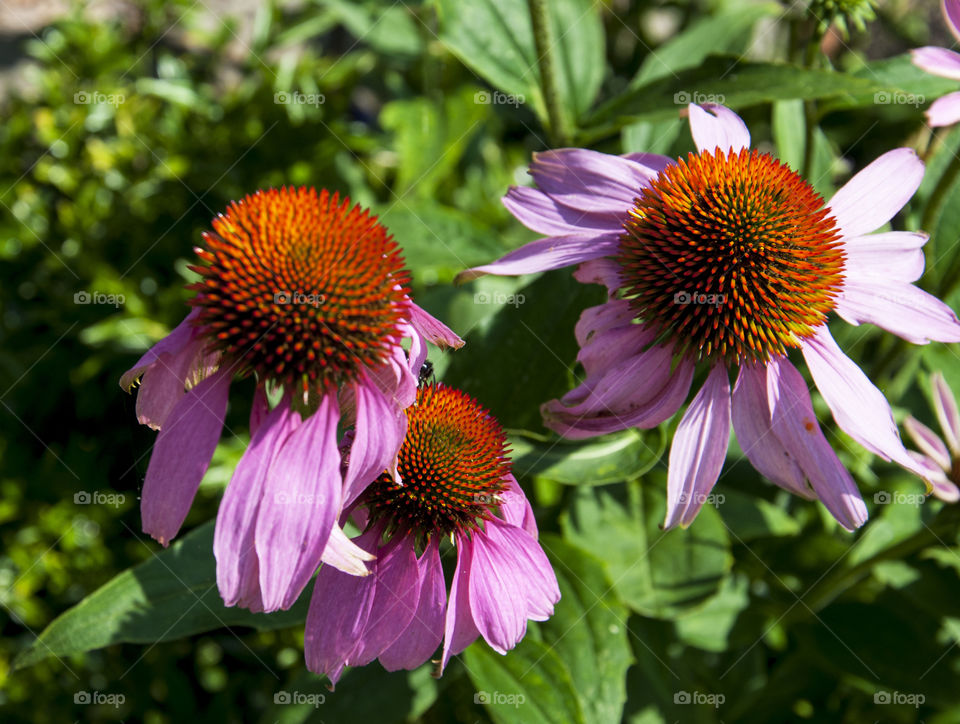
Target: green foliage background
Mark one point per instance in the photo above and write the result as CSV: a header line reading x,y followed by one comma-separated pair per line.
x,y
430,110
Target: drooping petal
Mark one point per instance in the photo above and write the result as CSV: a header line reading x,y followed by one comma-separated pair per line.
x,y
938,61
698,450
872,197
395,601
516,508
859,408
590,181
714,126
750,413
337,618
928,441
171,345
945,111
945,406
893,255
459,628
378,433
545,254
633,402
423,634
903,309
433,329
300,505
795,425
511,580
163,384
238,569
539,212
181,456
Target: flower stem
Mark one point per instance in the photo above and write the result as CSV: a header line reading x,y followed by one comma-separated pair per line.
x,y
810,107
543,44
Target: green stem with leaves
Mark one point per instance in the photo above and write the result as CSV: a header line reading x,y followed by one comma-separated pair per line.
x,y
543,44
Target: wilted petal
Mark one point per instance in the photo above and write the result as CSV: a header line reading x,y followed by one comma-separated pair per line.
x,y
345,555
433,329
171,345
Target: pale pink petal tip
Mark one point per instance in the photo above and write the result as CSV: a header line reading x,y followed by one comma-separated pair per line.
x,y
945,111
945,407
717,127
928,441
951,11
937,61
433,329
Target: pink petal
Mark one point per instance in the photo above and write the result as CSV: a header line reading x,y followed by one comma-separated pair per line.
x,y
422,636
654,161
937,481
951,11
397,378
459,629
698,450
395,601
858,407
539,212
872,197
938,61
600,271
714,126
752,424
945,406
238,569
516,508
171,345
378,433
635,403
928,441
345,555
544,254
181,456
614,313
590,181
258,410
903,309
433,329
605,349
945,111
163,385
510,581
893,255
337,618
300,505
795,425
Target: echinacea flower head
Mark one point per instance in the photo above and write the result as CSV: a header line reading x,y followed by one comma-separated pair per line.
x,y
456,486
945,111
307,296
941,459
725,261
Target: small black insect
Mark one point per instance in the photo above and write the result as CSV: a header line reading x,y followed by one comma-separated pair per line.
x,y
426,375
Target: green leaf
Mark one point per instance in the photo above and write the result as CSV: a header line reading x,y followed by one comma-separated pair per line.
x,y
899,84
734,82
609,459
789,127
389,30
709,627
724,33
522,356
657,573
750,517
172,595
529,684
494,38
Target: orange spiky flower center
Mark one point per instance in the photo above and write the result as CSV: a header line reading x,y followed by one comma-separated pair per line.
x,y
300,288
731,256
451,464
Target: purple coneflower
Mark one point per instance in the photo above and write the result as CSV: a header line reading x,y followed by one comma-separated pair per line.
x,y
308,296
729,259
942,460
944,111
457,486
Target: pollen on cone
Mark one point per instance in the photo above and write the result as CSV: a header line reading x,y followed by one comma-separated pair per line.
x,y
299,287
731,256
